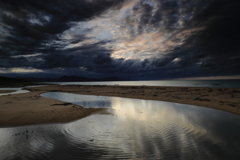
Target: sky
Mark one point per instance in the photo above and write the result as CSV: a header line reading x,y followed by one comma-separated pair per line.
x,y
135,39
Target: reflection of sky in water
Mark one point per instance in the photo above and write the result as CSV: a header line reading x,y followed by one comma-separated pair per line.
x,y
181,83
134,129
15,91
18,90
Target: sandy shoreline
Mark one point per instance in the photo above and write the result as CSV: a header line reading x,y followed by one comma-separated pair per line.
x,y
226,99
31,108
6,91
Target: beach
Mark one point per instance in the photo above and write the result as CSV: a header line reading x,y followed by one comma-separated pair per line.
x,y
30,108
6,91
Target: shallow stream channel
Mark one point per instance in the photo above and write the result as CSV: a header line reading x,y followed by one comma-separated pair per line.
x,y
133,129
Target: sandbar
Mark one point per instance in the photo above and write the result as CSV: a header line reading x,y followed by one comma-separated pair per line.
x,y
30,108
226,99
6,91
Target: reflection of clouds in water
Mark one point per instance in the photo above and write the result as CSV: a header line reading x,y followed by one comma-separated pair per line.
x,y
18,90
135,129
22,140
15,92
82,100
160,122
140,124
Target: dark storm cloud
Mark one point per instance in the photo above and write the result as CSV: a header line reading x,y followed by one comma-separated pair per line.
x,y
216,48
164,15
213,50
29,27
204,36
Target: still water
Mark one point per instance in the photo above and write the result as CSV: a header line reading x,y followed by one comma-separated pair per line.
x,y
18,90
133,129
179,83
15,91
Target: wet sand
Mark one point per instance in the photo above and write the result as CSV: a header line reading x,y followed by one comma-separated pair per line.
x,y
6,91
30,108
226,99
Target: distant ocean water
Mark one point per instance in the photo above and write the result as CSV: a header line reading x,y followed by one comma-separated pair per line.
x,y
179,83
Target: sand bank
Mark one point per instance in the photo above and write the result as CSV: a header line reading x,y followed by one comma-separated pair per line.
x,y
6,91
226,99
30,108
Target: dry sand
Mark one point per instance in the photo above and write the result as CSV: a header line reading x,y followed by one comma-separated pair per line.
x,y
31,108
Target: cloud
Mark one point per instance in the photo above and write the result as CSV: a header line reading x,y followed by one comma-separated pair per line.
x,y
33,27
30,26
19,70
150,39
202,35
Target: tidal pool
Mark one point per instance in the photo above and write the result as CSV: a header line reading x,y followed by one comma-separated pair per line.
x,y
133,129
18,90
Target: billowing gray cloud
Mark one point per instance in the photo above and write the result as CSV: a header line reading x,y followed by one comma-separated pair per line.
x,y
150,39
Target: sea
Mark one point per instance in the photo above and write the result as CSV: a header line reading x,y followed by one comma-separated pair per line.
x,y
175,83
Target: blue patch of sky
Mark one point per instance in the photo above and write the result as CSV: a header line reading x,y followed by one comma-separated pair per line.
x,y
105,35
149,2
